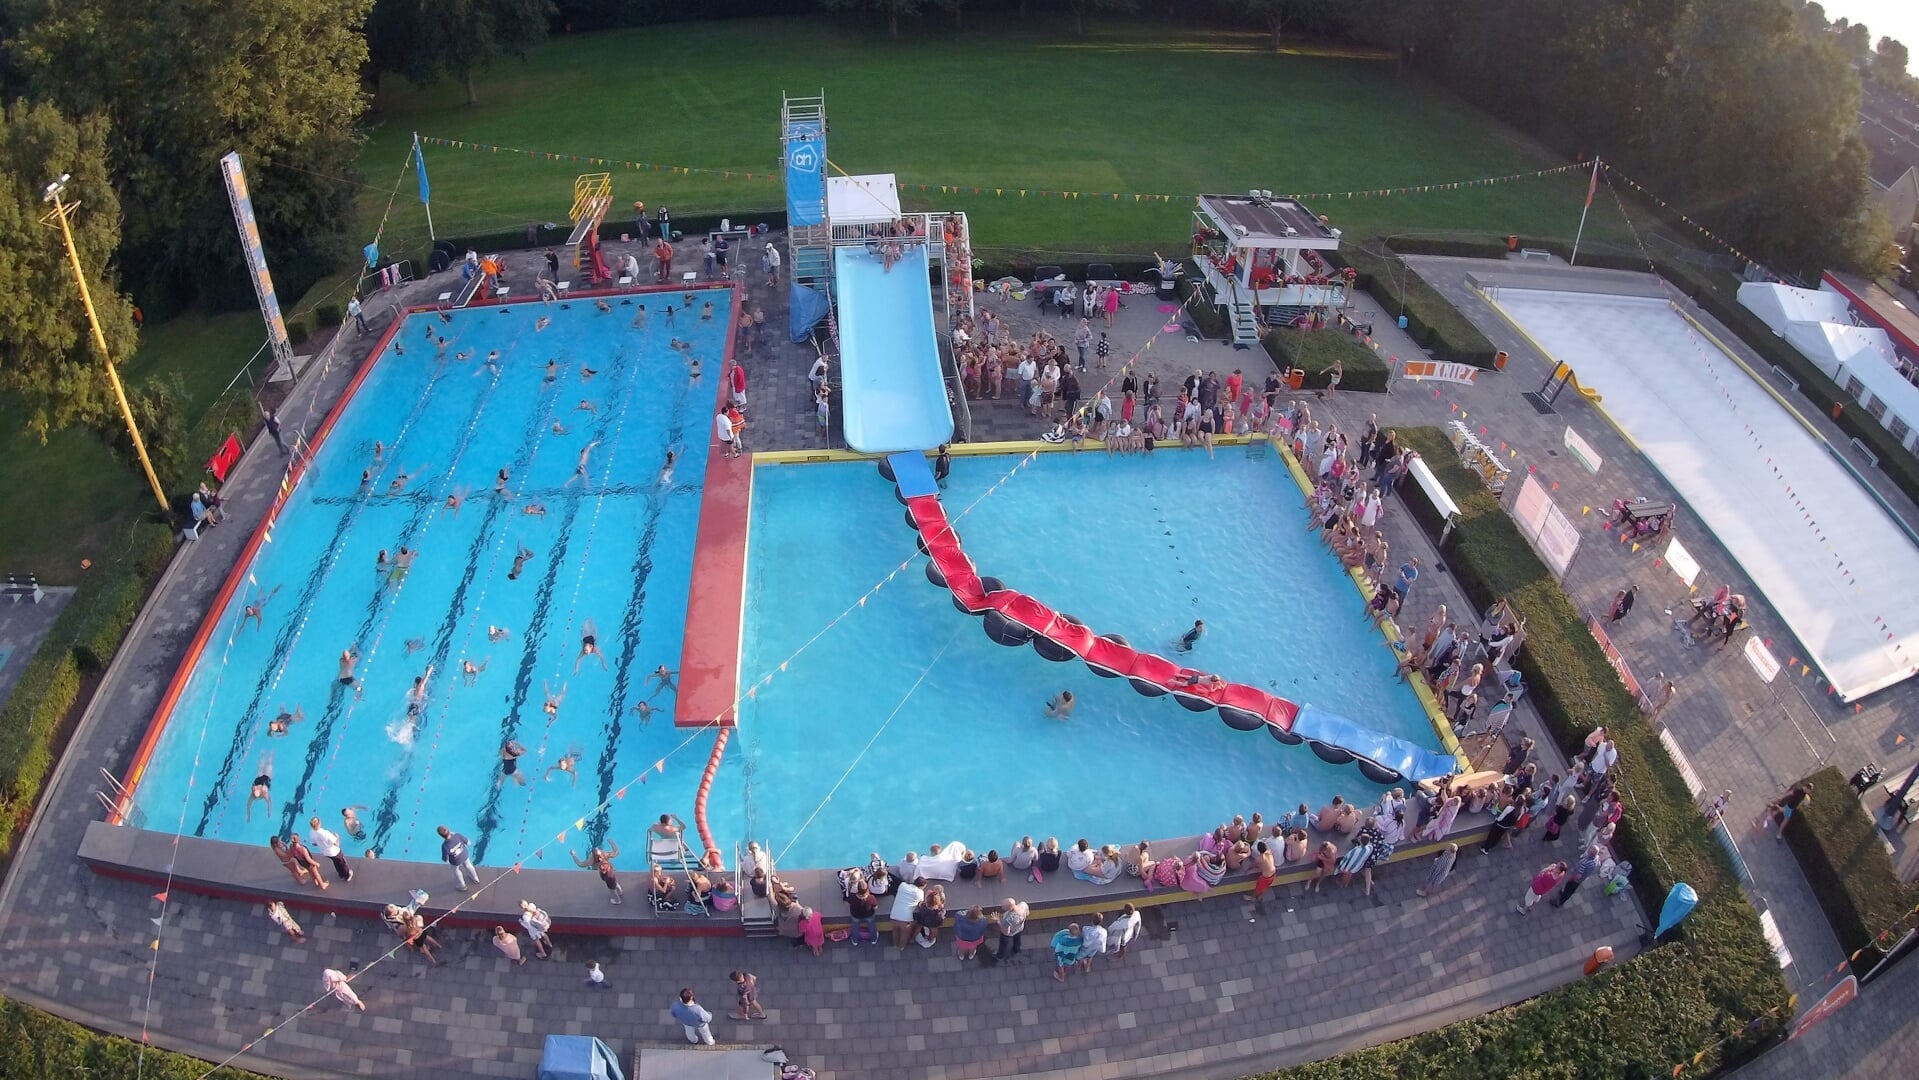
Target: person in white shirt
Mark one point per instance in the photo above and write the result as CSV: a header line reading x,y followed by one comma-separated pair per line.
x,y
1121,934
723,427
817,376
1079,859
1092,940
326,843
1028,371
905,899
1012,920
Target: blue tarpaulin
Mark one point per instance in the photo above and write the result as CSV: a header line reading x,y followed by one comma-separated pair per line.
x,y
806,306
578,1057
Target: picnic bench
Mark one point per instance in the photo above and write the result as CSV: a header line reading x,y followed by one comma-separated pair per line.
x,y
23,585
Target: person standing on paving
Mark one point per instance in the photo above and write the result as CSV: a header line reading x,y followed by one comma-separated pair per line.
x,y
1581,870
327,844
693,1018
1622,603
457,850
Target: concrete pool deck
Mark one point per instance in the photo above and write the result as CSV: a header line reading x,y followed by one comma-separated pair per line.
x,y
1213,989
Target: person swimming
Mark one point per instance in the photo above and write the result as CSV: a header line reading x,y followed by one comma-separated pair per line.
x,y
589,646
568,764
541,323
256,611
534,510
279,724
262,790
639,317
664,678
666,470
348,658
497,634
471,671
1191,637
519,561
1060,706
350,822
551,707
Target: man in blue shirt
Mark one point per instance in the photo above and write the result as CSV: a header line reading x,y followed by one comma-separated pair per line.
x,y
694,1018
1408,573
457,850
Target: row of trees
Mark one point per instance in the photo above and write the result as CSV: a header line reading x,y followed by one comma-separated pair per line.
x,y
1885,63
138,99
1724,107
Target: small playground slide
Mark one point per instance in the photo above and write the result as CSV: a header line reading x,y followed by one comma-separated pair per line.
x,y
895,398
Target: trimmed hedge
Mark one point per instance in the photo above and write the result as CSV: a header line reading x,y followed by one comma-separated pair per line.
x,y
80,643
1431,319
1845,861
40,1046
1667,1005
1315,350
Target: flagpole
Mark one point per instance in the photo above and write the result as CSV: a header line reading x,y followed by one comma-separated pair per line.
x,y
419,160
1590,188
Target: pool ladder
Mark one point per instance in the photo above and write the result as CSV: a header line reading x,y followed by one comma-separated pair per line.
x,y
118,801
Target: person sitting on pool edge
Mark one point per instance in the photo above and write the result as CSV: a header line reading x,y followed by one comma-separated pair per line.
x,y
1060,706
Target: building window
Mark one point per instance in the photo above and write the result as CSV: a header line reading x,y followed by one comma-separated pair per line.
x,y
1898,428
1877,407
1856,388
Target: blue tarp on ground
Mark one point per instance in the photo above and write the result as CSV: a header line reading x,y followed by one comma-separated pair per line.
x,y
806,306
1410,760
578,1057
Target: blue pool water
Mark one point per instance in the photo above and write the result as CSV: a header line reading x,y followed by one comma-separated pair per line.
x,y
894,396
1138,546
614,548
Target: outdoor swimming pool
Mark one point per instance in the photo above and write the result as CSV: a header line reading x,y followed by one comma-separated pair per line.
x,y
903,725
613,548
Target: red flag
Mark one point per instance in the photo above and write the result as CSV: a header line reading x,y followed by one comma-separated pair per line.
x,y
1593,187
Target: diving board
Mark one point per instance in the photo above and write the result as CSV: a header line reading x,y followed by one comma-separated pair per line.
x,y
894,393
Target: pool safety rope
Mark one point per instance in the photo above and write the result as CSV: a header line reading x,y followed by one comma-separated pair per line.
x,y
353,512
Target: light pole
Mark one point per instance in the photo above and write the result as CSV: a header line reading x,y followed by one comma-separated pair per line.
x,y
60,213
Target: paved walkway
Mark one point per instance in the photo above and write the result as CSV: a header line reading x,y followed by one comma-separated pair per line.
x,y
1737,731
22,626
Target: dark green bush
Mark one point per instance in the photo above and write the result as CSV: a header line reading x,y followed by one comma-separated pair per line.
x,y
327,315
1464,247
298,333
1667,1005
1314,351
1431,319
1847,864
40,1046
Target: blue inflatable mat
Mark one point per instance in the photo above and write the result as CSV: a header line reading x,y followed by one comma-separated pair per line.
x,y
913,474
1410,760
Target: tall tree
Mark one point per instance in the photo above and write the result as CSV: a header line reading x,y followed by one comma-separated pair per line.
x,y
184,81
423,40
1081,7
1811,17
50,365
1889,63
1854,41
892,8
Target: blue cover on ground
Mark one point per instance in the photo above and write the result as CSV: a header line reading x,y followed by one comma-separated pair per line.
x,y
1408,759
806,306
578,1057
913,474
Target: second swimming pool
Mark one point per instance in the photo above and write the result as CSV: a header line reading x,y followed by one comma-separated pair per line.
x,y
902,725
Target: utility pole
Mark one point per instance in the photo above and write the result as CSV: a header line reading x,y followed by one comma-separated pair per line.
x,y
61,212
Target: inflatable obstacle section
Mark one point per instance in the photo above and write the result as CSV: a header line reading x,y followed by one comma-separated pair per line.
x,y
1013,619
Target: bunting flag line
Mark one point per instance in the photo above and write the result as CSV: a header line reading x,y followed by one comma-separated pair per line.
x,y
772,175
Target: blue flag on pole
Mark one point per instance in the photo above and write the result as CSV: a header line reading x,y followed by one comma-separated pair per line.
x,y
419,165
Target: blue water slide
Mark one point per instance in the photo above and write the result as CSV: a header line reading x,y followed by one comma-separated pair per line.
x,y
894,397
1338,740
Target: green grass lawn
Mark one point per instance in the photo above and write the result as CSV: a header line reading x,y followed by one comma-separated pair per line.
x,y
1136,107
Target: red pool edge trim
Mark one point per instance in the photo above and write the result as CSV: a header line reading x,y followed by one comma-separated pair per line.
x,y
710,651
143,753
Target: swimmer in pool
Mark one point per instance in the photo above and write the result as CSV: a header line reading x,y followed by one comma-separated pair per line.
x,y
348,658
579,470
693,370
587,373
379,451
439,347
350,822
499,483
669,314
402,563
666,470
561,429
262,785
605,308
541,323
589,646
278,725
665,678
568,764
454,499
534,510
471,671
552,705
1191,637
587,406
492,364
552,370
510,754
463,355
256,611
416,695
519,561
706,311
639,317
366,481
497,634
646,712
1060,705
